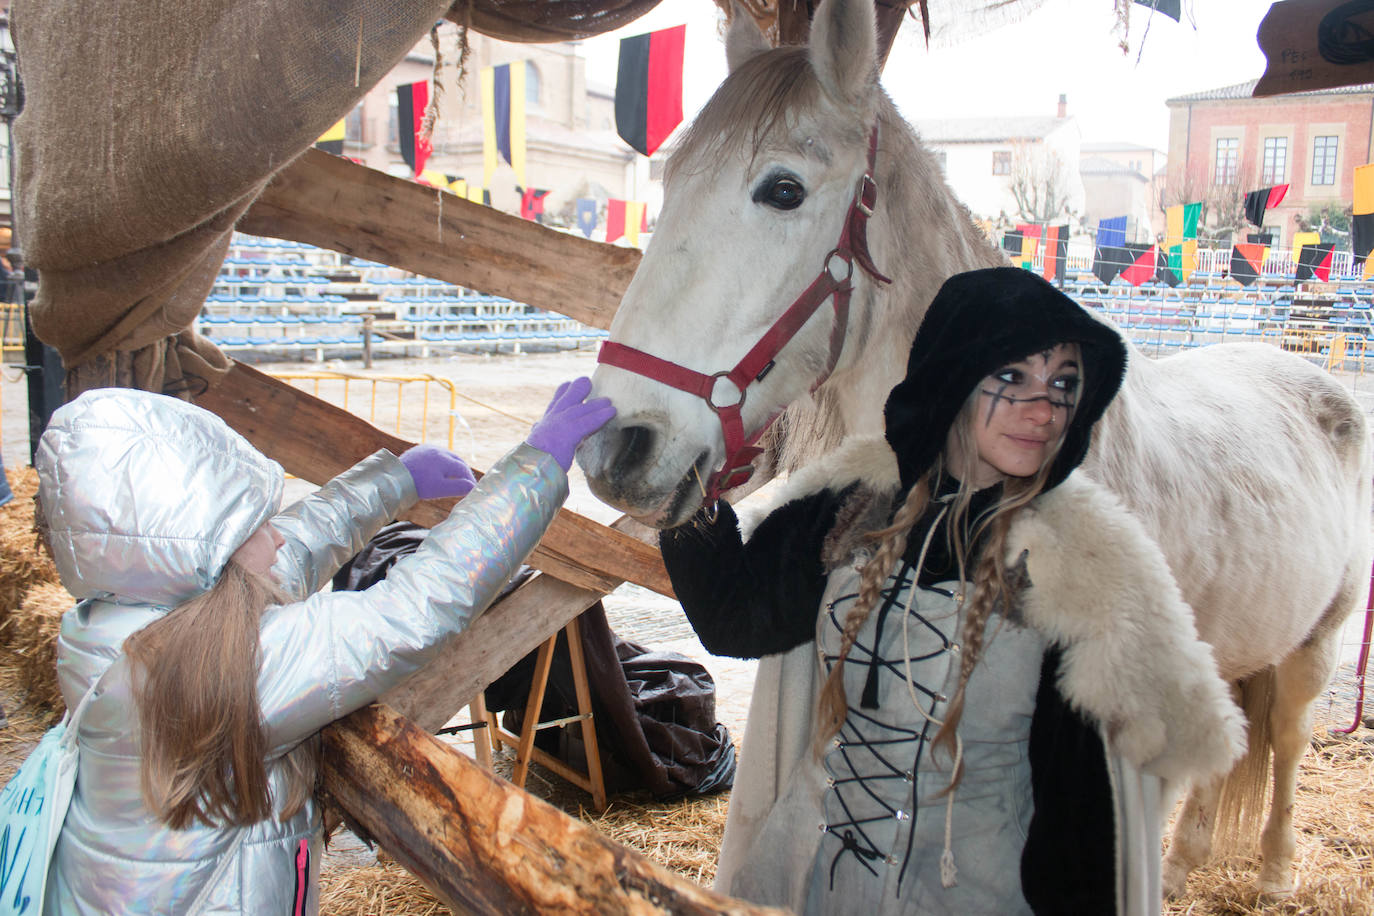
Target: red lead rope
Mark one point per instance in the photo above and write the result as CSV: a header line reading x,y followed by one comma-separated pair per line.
x,y
834,282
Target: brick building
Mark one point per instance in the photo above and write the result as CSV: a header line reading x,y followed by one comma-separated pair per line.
x,y
572,148
1223,143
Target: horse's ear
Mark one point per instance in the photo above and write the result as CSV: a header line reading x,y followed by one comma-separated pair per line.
x,y
844,49
744,39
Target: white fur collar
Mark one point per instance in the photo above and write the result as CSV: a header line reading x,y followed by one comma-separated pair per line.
x,y
1132,660
1101,588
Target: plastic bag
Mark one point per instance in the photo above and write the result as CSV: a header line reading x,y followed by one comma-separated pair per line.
x,y
33,806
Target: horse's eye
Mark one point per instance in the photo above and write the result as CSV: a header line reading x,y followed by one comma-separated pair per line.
x,y
781,193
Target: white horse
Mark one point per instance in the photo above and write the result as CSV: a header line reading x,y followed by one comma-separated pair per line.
x,y
1251,466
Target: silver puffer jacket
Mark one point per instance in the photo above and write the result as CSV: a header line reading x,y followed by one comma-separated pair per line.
x,y
146,497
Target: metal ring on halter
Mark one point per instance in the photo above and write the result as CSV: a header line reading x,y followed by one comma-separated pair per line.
x,y
710,394
846,260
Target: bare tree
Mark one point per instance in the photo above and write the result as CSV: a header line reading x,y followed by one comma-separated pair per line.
x,y
1041,183
1222,215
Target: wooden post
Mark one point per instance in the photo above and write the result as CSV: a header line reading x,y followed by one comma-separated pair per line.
x,y
484,846
329,202
291,426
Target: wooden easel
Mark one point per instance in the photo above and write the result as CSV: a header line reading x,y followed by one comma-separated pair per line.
x,y
525,751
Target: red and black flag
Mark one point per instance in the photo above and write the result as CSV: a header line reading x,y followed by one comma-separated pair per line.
x,y
1362,216
411,101
648,88
1109,261
1056,242
1246,261
1256,202
532,203
1142,263
1314,261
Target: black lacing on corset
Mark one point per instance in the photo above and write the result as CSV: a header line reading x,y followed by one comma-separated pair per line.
x,y
851,833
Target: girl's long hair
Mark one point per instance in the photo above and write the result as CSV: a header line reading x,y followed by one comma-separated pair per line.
x,y
991,588
195,686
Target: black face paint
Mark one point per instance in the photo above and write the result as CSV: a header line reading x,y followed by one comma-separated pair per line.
x,y
1009,384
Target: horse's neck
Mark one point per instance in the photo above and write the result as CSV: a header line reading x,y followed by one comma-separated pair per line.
x,y
920,235
1126,450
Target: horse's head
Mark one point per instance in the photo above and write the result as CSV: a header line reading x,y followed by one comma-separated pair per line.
x,y
756,198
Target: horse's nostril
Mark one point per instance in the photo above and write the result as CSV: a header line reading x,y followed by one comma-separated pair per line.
x,y
634,447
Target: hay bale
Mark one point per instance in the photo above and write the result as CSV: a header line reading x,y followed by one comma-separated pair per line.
x,y
376,890
31,633
24,562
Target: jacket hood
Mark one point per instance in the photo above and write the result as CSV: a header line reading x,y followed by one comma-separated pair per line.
x,y
146,497
978,322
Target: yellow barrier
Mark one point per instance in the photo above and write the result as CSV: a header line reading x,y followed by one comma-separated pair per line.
x,y
339,388
11,327
1337,351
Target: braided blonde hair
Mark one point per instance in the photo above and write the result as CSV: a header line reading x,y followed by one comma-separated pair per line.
x,y
991,588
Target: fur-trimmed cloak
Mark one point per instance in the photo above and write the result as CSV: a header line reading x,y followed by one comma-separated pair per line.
x,y
1129,662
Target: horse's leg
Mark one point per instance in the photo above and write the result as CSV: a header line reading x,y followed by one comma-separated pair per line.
x,y
1190,844
1299,680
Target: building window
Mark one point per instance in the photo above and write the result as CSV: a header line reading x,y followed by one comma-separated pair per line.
x,y
1275,167
1228,161
941,159
1324,160
393,124
353,125
656,168
533,87
1001,162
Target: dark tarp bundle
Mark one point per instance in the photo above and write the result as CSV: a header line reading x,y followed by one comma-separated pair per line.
x,y
158,99
654,711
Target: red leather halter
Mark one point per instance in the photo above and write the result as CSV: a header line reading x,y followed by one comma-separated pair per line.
x,y
834,282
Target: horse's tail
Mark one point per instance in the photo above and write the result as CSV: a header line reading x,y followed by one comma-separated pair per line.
x,y
1243,803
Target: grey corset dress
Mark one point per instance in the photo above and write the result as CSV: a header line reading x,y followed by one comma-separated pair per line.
x,y
888,821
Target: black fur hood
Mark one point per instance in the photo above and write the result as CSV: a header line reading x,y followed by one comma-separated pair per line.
x,y
980,321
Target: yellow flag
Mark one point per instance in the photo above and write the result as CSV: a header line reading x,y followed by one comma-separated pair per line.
x,y
634,218
1304,238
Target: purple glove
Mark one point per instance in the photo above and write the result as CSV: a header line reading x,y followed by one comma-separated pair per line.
x,y
568,420
437,472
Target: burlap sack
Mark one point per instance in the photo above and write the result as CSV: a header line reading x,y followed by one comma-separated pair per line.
x,y
149,127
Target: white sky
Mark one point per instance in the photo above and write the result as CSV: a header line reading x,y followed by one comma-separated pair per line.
x,y
1065,46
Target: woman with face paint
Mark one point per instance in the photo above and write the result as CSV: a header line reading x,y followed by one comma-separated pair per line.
x,y
977,670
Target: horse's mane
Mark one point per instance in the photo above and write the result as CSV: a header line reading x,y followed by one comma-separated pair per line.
x,y
759,92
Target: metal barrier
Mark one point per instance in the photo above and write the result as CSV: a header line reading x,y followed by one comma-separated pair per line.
x,y
341,389
11,327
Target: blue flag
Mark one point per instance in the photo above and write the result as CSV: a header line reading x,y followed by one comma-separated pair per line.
x,y
586,215
1111,233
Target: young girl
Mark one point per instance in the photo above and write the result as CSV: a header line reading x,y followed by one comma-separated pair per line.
x,y
1002,670
214,660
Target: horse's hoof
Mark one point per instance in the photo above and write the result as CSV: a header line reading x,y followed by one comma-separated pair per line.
x,y
1175,880
1275,889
